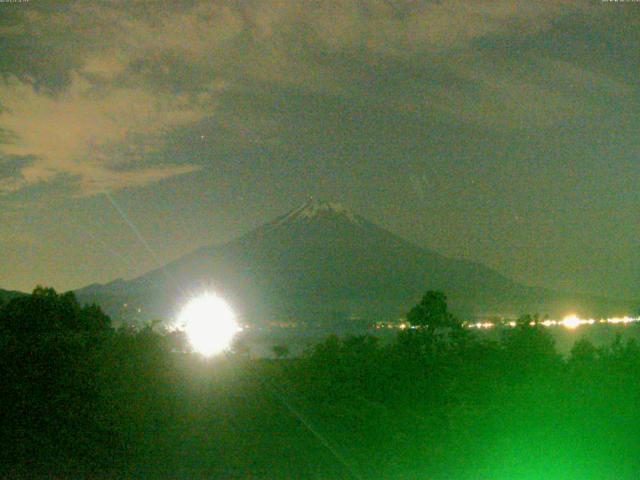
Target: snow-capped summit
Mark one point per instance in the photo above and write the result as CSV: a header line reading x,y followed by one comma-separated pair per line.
x,y
314,209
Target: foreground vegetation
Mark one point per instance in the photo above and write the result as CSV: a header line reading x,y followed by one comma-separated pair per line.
x,y
81,399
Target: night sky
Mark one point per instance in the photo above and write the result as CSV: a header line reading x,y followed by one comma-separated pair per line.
x,y
505,132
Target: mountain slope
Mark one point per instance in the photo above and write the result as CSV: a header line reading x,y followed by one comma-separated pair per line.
x,y
317,262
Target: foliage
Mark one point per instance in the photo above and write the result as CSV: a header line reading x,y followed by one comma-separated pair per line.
x,y
45,312
280,351
48,346
432,311
83,400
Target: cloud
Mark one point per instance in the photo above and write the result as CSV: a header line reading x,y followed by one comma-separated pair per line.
x,y
101,137
111,82
285,41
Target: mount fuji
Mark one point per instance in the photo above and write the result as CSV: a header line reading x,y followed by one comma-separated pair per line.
x,y
322,262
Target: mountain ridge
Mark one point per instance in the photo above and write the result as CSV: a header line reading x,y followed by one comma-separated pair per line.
x,y
319,261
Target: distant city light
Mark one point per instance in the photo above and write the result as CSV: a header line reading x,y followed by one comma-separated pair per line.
x,y
480,325
571,321
622,320
210,324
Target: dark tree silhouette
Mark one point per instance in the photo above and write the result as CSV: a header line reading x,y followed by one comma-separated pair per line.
x,y
80,400
45,312
280,351
583,352
48,350
530,347
432,311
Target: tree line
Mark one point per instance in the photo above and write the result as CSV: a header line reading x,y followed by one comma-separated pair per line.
x,y
82,399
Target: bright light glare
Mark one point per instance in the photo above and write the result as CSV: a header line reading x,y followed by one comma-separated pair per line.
x,y
571,321
209,323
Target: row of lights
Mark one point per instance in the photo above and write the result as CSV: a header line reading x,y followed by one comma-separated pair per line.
x,y
210,324
571,322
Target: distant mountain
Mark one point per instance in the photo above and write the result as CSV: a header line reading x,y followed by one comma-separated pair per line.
x,y
321,261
